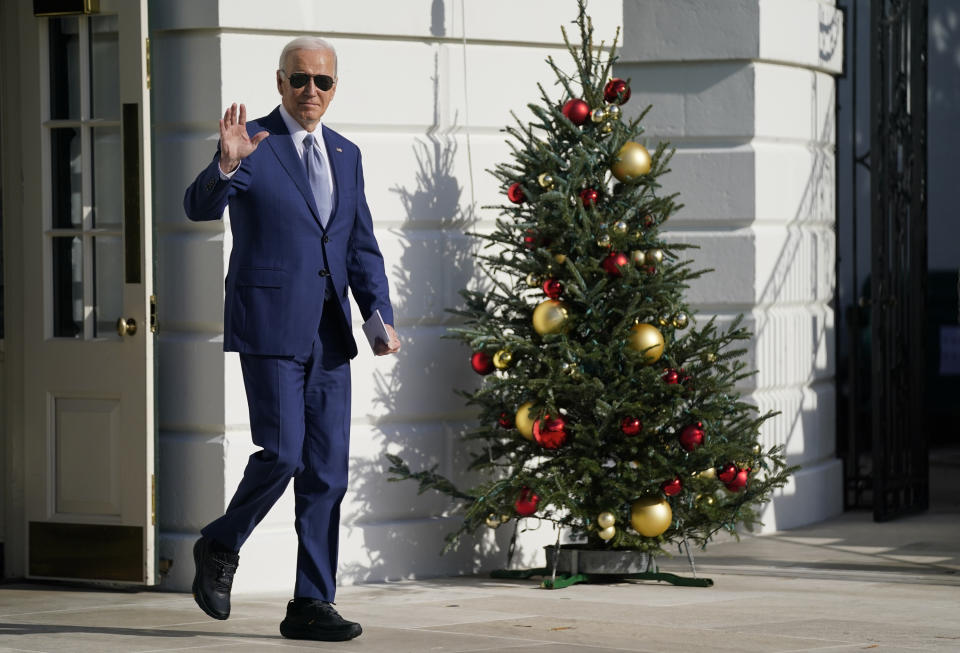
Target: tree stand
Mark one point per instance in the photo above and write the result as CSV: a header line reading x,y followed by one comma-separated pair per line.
x,y
579,564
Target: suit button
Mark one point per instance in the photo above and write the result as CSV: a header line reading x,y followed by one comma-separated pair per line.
x,y
324,273
326,239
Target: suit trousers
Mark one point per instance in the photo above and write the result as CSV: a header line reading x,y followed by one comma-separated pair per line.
x,y
300,417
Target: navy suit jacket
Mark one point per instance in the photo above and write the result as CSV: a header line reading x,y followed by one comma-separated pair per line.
x,y
283,261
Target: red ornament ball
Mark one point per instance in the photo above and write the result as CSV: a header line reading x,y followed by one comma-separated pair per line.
x,y
481,362
671,376
739,481
550,432
577,111
530,239
727,473
614,262
505,420
589,196
515,193
616,91
691,436
672,487
631,426
552,288
526,503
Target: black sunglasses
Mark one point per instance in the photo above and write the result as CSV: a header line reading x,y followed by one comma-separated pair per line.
x,y
299,80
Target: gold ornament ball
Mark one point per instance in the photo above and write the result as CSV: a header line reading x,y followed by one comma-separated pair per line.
x,y
664,320
550,316
632,162
757,450
598,115
560,258
680,320
647,339
545,180
708,473
492,520
533,280
604,240
613,112
621,227
650,516
639,257
524,420
502,359
606,519
655,256
607,533
606,127
704,499
709,357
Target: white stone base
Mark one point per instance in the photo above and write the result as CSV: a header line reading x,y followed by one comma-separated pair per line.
x,y
814,493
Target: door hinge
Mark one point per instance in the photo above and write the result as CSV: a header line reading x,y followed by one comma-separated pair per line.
x,y
153,314
147,46
153,499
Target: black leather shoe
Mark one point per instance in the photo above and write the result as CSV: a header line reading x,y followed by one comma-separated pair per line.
x,y
214,578
315,619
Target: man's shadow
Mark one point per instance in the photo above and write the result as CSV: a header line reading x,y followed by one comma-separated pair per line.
x,y
63,629
422,419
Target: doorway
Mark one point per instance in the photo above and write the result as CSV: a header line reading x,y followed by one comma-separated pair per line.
x,y
83,264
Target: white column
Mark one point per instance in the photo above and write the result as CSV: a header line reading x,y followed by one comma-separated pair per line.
x,y
744,90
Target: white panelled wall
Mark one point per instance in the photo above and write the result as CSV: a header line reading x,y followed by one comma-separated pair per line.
x,y
744,90
411,93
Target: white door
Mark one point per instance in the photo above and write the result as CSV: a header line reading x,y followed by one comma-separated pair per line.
x,y
89,381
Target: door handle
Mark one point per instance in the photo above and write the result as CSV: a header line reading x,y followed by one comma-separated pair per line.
x,y
126,326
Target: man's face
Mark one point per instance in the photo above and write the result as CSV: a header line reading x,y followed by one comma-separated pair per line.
x,y
309,103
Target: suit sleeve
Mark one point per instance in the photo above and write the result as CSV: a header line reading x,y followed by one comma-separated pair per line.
x,y
365,268
209,193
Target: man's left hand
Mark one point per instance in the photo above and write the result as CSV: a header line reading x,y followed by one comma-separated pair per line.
x,y
392,347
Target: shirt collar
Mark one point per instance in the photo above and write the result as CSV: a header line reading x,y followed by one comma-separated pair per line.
x,y
296,129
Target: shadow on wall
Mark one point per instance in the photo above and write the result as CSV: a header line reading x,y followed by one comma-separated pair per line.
x,y
812,252
423,419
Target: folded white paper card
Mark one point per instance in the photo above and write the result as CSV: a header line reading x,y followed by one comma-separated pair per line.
x,y
375,329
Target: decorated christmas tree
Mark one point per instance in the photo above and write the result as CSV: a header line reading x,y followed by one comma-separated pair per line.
x,y
604,408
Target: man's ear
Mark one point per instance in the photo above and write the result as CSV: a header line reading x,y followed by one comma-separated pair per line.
x,y
279,83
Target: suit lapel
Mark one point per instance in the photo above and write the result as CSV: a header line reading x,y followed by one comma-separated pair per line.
x,y
289,159
335,157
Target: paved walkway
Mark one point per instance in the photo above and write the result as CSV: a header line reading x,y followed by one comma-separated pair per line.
x,y
844,585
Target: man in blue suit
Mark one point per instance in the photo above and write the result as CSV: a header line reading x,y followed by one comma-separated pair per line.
x,y
302,235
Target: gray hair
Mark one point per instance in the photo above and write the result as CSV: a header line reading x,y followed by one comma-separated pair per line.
x,y
307,43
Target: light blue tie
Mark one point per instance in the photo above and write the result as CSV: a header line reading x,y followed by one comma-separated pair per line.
x,y
318,178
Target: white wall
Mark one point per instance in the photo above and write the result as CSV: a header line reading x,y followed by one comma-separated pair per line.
x,y
411,94
744,90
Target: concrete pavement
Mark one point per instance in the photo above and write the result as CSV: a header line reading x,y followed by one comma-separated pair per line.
x,y
844,585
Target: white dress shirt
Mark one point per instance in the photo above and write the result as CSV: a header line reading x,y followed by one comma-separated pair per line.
x,y
298,133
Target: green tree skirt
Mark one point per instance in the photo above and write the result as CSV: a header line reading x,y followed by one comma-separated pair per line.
x,y
566,580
